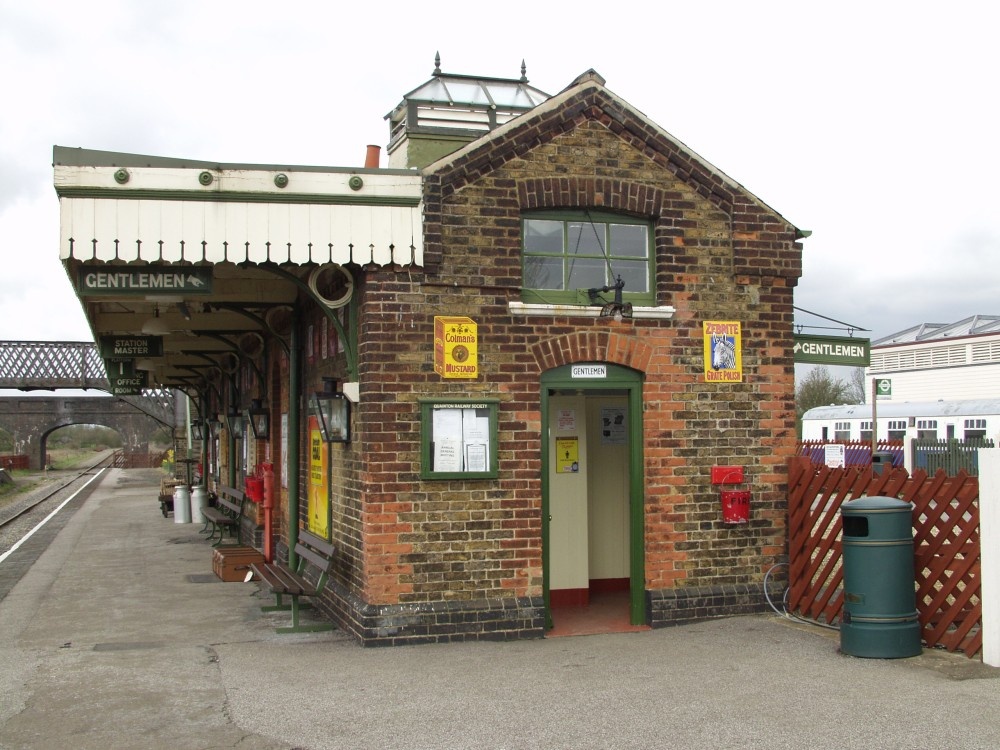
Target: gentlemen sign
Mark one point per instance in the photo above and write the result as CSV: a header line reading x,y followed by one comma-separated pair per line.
x,y
832,350
116,348
135,281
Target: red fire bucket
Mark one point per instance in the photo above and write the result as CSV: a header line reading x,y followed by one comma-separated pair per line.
x,y
255,489
735,506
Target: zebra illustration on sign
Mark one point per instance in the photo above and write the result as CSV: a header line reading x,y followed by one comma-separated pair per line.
x,y
723,352
723,361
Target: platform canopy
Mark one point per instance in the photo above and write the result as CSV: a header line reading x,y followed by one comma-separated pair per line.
x,y
206,256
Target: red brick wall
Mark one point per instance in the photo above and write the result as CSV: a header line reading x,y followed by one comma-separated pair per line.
x,y
721,255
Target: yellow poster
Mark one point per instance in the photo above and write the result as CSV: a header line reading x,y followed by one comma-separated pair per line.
x,y
723,352
318,506
567,455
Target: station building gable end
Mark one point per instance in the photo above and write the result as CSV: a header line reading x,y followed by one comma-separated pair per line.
x,y
468,550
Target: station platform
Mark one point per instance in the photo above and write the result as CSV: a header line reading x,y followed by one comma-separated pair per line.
x,y
121,636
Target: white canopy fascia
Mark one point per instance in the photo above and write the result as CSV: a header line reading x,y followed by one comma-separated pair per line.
x,y
170,215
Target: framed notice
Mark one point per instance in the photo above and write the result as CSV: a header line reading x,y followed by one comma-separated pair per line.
x,y
458,439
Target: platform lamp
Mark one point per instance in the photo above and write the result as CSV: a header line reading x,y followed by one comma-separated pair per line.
x,y
200,428
234,423
215,426
259,419
333,412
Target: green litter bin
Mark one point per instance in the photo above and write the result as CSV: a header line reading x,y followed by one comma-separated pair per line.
x,y
880,613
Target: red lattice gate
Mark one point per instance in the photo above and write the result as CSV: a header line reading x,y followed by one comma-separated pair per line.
x,y
946,546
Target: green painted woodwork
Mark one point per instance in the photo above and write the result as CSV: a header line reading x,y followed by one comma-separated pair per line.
x,y
294,436
427,409
618,379
213,196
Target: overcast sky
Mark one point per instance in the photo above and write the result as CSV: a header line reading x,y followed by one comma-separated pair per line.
x,y
871,124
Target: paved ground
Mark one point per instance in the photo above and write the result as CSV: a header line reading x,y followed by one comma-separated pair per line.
x,y
117,638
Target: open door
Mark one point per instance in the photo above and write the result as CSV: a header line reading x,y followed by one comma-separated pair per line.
x,y
593,553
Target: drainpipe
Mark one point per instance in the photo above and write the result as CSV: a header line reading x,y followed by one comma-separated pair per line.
x,y
230,406
294,435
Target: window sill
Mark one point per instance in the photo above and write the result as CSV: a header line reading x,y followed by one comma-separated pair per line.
x,y
525,309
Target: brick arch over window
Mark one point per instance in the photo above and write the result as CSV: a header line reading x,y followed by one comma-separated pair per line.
x,y
592,346
573,193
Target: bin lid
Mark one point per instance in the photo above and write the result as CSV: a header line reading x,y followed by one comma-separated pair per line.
x,y
876,504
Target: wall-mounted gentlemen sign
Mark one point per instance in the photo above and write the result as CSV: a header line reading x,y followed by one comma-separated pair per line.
x,y
124,281
116,348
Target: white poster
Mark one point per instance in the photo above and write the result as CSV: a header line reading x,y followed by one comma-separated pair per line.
x,y
447,454
614,427
834,455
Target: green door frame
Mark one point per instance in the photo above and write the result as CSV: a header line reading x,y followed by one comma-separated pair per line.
x,y
620,379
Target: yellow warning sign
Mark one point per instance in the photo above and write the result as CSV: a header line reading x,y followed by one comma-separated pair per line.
x,y
567,455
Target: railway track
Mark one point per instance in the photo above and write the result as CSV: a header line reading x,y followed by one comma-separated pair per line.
x,y
23,512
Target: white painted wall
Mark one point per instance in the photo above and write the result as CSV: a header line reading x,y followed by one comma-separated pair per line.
x,y
989,542
568,548
607,490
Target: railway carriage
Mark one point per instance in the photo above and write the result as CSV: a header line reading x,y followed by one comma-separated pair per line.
x,y
961,420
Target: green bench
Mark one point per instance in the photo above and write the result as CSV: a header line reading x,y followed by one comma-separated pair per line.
x,y
226,516
282,581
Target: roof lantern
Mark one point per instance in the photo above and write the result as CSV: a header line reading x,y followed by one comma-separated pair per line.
x,y
448,111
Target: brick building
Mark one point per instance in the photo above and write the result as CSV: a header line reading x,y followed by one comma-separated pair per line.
x,y
587,343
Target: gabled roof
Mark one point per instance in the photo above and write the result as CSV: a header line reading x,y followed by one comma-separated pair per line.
x,y
590,86
971,326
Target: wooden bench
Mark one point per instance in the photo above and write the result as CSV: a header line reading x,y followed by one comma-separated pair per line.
x,y
312,552
227,515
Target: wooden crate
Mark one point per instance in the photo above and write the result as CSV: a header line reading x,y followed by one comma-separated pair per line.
x,y
232,564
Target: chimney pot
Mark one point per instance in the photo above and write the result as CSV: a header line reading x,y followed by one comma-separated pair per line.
x,y
372,157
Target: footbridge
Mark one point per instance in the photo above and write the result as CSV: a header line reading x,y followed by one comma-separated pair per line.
x,y
29,366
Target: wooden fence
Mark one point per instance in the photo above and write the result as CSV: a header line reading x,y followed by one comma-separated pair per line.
x,y
946,546
123,460
11,461
856,452
951,455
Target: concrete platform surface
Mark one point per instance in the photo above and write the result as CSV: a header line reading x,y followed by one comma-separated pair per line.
x,y
119,636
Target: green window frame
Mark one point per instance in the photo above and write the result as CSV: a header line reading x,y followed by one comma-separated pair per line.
x,y
458,439
567,253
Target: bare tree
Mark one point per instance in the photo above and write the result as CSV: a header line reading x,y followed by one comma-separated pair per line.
x,y
820,388
858,391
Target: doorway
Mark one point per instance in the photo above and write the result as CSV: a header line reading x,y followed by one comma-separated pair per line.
x,y
592,526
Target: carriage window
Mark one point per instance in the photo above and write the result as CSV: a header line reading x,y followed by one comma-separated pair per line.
x,y
842,431
927,429
566,254
897,429
975,428
866,432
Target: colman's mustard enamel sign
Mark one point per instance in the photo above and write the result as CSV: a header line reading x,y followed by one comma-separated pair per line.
x,y
456,347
